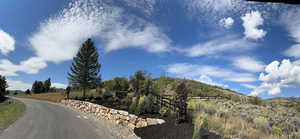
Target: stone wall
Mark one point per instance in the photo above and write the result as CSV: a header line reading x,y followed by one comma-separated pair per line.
x,y
118,116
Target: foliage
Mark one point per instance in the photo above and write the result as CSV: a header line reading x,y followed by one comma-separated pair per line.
x,y
27,92
277,130
107,94
149,104
140,109
137,80
47,85
262,123
37,87
3,86
164,111
200,123
10,113
85,68
133,104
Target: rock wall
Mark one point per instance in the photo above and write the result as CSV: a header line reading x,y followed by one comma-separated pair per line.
x,y
118,116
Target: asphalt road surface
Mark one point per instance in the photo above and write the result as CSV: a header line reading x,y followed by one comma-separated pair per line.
x,y
43,120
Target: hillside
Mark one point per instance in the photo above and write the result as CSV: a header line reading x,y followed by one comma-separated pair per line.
x,y
164,86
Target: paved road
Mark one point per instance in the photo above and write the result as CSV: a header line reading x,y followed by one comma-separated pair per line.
x,y
43,120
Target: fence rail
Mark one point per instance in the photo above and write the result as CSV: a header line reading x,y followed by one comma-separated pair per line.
x,y
169,101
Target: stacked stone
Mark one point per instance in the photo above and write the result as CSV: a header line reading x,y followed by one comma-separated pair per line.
x,y
120,117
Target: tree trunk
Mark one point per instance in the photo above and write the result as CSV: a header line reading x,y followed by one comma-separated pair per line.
x,y
84,89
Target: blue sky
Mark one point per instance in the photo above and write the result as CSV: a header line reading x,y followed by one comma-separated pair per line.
x,y
253,48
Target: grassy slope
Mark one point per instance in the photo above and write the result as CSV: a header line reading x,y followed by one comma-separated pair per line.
x,y
9,113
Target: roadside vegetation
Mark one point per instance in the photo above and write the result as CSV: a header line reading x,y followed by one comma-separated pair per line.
x,y
10,111
228,115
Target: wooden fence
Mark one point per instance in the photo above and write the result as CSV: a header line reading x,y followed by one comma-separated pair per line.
x,y
169,101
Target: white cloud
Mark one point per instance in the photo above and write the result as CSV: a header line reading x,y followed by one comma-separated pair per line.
x,y
59,37
18,85
7,43
206,79
291,21
29,66
59,85
148,38
220,45
213,10
250,86
293,51
194,71
226,22
248,64
278,75
251,21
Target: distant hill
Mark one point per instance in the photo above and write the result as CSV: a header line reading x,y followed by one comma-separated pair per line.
x,y
164,86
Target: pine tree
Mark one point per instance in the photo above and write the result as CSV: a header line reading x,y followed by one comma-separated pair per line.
x,y
3,86
47,85
85,67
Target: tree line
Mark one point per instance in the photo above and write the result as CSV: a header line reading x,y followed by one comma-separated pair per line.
x,y
40,87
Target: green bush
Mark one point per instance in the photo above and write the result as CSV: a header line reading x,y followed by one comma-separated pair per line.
x,y
149,104
140,109
276,130
262,123
107,94
133,104
199,123
164,111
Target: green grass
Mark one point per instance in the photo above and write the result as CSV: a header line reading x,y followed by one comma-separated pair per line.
x,y
10,113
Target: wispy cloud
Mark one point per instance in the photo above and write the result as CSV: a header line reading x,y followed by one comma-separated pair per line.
x,y
229,43
29,66
7,42
248,63
17,85
195,71
290,19
59,37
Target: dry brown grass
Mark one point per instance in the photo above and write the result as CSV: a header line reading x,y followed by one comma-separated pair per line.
x,y
52,97
57,97
234,127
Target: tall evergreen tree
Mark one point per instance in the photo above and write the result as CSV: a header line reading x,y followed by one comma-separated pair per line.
x,y
47,85
84,72
3,86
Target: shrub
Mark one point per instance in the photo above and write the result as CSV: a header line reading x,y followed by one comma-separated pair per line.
x,y
133,104
164,111
140,109
107,94
277,130
262,123
210,110
200,123
149,104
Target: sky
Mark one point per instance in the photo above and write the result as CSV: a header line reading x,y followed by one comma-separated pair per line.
x,y
252,48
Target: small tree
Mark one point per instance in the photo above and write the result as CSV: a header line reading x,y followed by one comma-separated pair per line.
x,y
47,85
27,92
137,80
85,67
37,87
3,86
181,98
